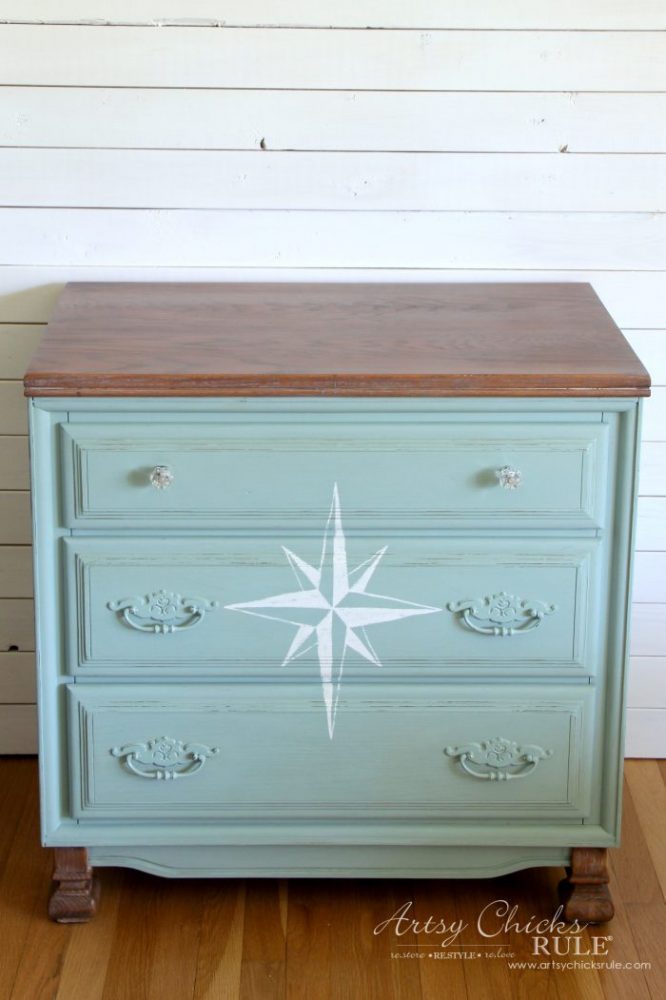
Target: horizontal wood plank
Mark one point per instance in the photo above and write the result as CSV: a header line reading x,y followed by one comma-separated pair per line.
x,y
15,571
18,729
17,345
651,523
358,151
17,630
333,239
648,631
654,416
647,682
347,13
13,409
17,678
645,732
15,520
331,181
311,59
14,463
653,469
650,578
650,346
175,118
28,294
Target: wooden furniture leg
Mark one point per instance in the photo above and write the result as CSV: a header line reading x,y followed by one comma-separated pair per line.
x,y
76,894
584,892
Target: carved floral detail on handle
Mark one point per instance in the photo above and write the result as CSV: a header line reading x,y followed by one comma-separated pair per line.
x,y
163,758
498,759
162,612
501,614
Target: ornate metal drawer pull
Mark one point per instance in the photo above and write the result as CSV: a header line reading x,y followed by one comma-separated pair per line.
x,y
162,612
161,477
509,478
497,759
163,758
502,614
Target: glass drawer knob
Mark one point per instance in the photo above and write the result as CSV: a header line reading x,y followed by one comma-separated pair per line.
x,y
161,477
509,478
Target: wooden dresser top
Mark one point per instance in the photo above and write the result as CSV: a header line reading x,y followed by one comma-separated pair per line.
x,y
136,339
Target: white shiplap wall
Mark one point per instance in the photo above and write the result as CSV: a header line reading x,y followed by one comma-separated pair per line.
x,y
420,141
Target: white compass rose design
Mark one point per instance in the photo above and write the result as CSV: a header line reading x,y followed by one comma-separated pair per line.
x,y
332,608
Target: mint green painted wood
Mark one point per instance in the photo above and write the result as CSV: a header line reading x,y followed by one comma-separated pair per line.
x,y
267,754
448,473
407,834
624,474
572,665
427,572
330,861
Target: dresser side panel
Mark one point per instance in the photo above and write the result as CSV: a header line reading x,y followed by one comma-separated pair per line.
x,y
49,633
619,612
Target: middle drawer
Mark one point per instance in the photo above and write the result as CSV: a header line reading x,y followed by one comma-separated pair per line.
x,y
302,606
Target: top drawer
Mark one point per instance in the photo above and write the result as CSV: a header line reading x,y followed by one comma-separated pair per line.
x,y
414,474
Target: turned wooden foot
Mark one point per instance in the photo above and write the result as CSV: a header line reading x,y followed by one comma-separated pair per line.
x,y
76,893
584,892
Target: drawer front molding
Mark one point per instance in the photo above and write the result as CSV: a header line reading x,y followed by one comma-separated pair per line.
x,y
253,575
164,758
498,759
502,614
387,760
436,473
162,612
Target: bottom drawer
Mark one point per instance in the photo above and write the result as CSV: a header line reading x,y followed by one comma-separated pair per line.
x,y
241,751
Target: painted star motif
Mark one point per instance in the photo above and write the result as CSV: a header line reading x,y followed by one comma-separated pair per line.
x,y
332,608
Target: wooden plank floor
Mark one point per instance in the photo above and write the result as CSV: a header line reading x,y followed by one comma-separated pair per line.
x,y
156,939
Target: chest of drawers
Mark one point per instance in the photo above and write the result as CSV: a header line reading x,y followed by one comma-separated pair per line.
x,y
332,580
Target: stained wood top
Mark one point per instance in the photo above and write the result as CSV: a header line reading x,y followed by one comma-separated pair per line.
x,y
136,339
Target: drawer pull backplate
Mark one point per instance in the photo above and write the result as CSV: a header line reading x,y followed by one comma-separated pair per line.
x,y
502,614
497,759
163,758
162,612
